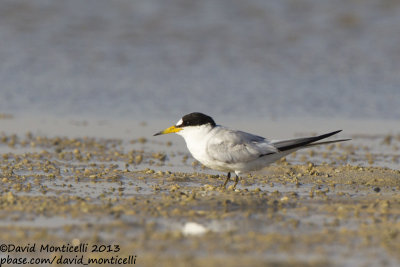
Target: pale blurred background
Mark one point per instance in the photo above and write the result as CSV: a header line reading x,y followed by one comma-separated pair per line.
x,y
228,58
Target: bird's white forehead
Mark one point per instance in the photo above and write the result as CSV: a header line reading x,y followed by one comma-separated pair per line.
x,y
179,122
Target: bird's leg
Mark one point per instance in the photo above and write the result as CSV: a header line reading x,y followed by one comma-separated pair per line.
x,y
236,181
228,177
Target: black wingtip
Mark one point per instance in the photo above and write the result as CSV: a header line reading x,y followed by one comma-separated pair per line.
x,y
300,142
327,142
322,136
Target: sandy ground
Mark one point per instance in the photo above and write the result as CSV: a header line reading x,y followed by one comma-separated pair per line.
x,y
331,206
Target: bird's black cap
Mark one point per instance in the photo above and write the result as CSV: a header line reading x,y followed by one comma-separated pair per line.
x,y
196,119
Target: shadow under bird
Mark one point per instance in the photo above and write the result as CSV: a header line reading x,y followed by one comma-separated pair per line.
x,y
223,149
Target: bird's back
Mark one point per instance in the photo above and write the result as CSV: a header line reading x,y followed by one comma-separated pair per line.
x,y
227,146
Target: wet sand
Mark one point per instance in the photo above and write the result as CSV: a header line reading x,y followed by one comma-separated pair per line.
x,y
337,205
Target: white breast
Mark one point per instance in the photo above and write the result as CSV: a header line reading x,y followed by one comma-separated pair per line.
x,y
196,138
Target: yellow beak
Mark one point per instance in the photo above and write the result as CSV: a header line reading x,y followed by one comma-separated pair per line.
x,y
171,129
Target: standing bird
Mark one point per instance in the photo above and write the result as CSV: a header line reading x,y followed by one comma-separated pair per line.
x,y
223,149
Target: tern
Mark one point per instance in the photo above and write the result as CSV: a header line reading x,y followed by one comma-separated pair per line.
x,y
223,149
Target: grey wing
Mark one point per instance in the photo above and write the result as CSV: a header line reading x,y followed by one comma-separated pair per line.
x,y
230,146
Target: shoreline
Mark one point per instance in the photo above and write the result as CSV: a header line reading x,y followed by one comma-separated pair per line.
x,y
99,182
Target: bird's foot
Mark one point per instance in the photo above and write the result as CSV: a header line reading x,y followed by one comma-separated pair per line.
x,y
236,182
228,177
